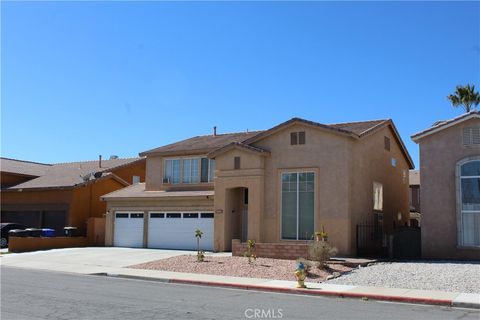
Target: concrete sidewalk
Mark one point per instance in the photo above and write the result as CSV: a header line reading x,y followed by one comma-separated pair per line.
x,y
101,268
466,300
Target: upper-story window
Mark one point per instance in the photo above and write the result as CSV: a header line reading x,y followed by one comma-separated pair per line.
x,y
188,170
297,138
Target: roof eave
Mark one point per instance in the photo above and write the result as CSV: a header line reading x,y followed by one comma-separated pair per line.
x,y
119,198
422,134
239,146
177,152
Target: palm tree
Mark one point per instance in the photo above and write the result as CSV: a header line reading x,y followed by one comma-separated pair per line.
x,y
465,96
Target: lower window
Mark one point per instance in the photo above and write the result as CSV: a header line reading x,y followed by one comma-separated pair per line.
x,y
470,203
298,203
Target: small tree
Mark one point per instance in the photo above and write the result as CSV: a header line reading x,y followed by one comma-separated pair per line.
x,y
465,96
250,253
200,253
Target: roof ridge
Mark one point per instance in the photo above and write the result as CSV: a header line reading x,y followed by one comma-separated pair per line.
x,y
86,161
26,161
227,133
362,121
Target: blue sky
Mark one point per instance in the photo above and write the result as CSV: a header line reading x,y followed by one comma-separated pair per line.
x,y
79,79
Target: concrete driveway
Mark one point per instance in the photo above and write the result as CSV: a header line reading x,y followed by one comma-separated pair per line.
x,y
87,260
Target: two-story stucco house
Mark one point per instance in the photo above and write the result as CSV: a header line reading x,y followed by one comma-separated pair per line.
x,y
276,186
450,188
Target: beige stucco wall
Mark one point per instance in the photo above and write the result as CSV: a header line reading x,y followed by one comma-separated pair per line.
x,y
345,169
439,154
371,162
328,155
228,197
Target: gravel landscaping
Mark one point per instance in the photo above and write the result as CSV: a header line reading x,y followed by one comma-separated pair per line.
x,y
443,276
266,268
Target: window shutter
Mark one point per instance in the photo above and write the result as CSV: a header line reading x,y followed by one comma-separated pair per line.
x,y
301,137
293,138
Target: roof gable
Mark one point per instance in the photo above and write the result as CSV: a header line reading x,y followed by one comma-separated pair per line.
x,y
442,125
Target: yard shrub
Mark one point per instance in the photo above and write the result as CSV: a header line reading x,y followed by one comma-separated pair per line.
x,y
200,253
321,252
250,253
307,263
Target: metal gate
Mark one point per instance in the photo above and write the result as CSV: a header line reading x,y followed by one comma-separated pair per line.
x,y
371,240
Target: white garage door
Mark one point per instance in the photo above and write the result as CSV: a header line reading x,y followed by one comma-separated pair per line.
x,y
176,230
128,229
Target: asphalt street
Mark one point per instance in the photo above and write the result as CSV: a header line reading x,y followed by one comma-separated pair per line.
x,y
30,294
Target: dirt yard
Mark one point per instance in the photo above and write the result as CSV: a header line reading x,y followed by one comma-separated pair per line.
x,y
266,268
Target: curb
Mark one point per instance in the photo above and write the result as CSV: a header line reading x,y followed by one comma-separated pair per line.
x,y
300,291
317,292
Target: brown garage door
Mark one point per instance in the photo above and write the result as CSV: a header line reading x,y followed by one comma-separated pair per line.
x,y
38,219
54,220
31,219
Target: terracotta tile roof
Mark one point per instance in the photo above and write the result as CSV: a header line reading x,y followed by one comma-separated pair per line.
x,y
202,144
138,191
73,173
21,167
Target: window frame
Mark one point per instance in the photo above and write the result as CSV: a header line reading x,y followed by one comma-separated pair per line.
x,y
376,183
315,172
198,180
460,211
302,137
293,138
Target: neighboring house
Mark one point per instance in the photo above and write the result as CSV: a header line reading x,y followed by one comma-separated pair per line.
x,y
65,194
276,187
450,188
415,216
17,171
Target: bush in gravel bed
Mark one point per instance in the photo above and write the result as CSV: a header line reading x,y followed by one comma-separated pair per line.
x,y
307,263
321,252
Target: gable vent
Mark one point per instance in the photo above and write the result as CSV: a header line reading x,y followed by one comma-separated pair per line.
x,y
471,136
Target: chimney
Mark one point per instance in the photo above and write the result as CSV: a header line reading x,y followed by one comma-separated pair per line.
x,y
100,161
215,130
